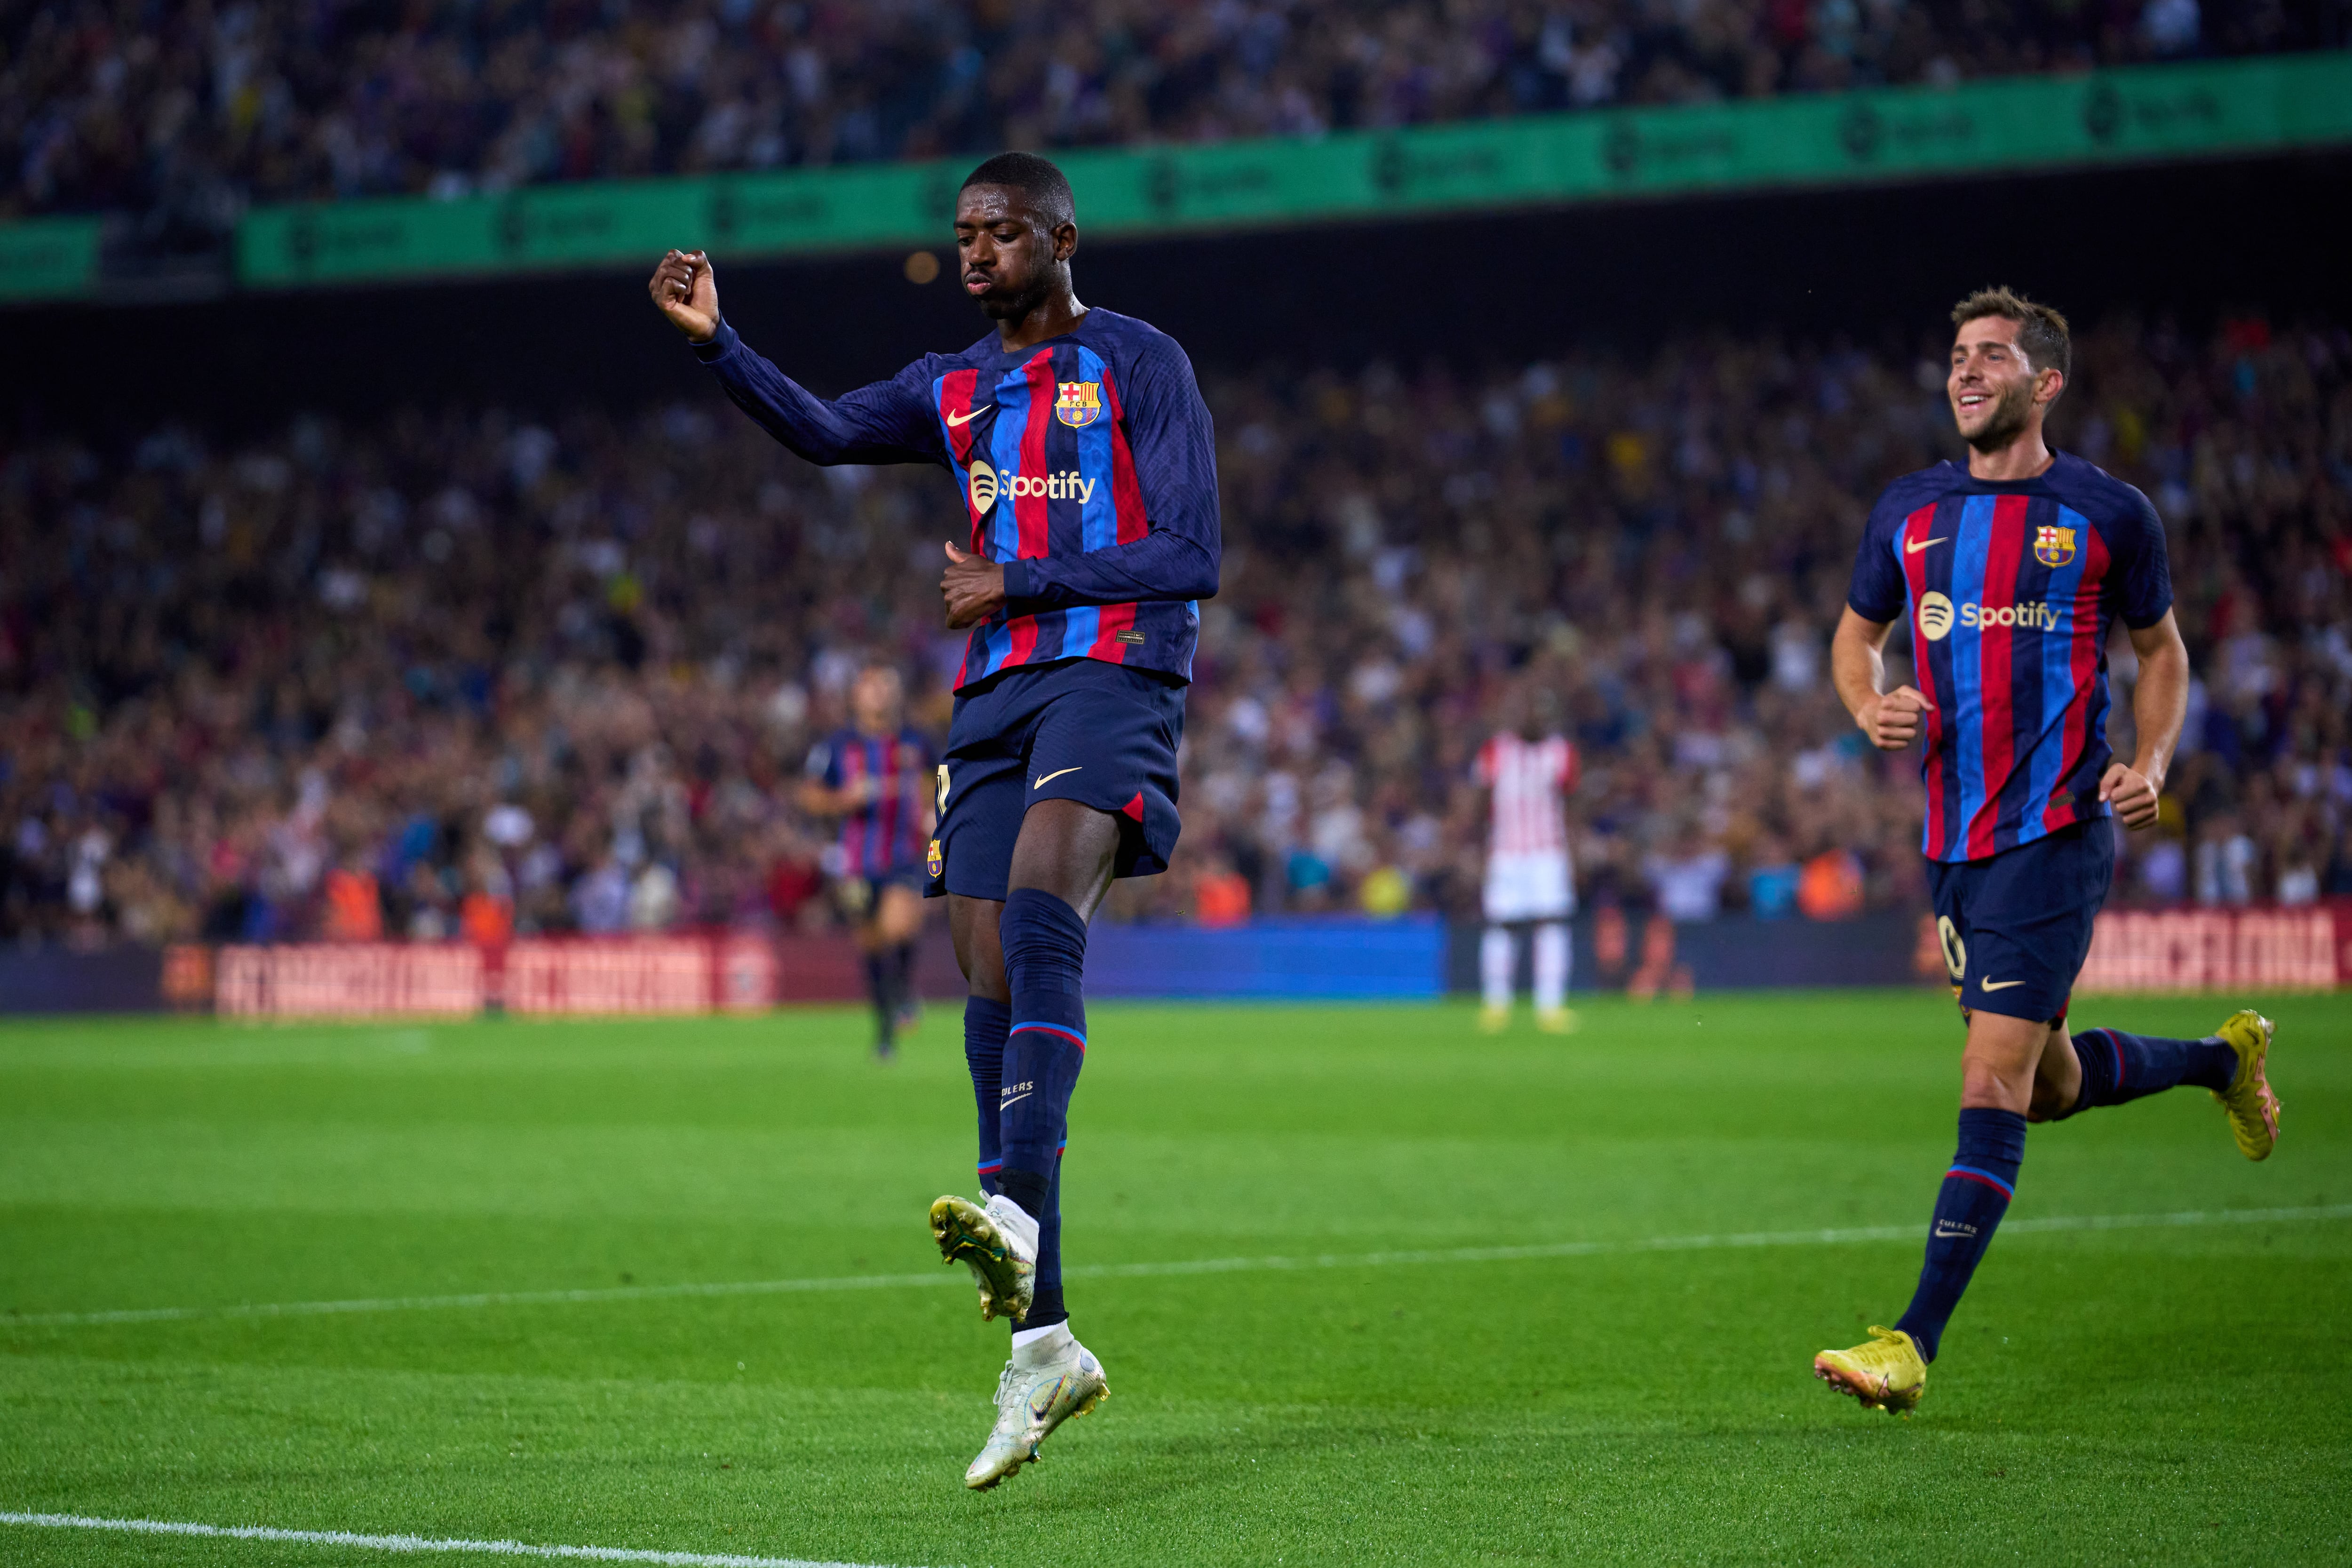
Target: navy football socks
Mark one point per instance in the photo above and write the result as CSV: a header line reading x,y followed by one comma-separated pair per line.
x,y
2118,1067
878,986
1045,965
984,1023
1974,1197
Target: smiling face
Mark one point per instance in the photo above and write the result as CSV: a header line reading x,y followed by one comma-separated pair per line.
x,y
1996,394
1009,255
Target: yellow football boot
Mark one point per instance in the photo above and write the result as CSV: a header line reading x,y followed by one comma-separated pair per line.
x,y
1888,1374
2253,1108
1494,1020
1555,1020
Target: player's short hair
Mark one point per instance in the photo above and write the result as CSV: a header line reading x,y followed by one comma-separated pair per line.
x,y
2041,332
1045,186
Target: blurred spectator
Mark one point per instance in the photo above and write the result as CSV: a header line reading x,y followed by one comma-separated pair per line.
x,y
184,115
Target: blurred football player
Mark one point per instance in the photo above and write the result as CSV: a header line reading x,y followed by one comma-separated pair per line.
x,y
1526,769
2011,569
1085,468
876,776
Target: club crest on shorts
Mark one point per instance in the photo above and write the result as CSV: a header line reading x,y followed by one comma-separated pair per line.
x,y
934,862
1078,403
2053,547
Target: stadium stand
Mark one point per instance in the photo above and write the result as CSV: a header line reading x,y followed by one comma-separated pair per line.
x,y
474,669
185,114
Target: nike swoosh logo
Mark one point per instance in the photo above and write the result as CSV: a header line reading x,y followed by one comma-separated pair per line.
x,y
1997,985
1908,547
1015,1100
1049,778
954,420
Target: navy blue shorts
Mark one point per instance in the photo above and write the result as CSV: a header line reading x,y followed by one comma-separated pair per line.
x,y
2016,926
1083,730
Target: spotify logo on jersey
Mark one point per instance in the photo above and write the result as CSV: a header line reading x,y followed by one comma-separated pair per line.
x,y
1935,612
983,486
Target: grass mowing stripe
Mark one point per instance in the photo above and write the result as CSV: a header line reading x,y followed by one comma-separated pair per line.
x,y
412,1542
1826,1237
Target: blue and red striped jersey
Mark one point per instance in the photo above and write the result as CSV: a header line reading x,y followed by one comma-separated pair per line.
x,y
887,834
1088,465
2010,590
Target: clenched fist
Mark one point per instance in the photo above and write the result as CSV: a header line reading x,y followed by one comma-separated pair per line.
x,y
1893,719
687,291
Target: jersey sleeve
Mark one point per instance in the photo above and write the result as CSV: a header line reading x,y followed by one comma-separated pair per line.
x,y
2142,570
888,421
1878,592
825,765
1174,445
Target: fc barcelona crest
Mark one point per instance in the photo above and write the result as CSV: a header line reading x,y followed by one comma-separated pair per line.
x,y
2053,547
1078,403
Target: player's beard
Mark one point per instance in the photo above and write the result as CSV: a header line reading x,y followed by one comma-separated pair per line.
x,y
1014,307
2011,412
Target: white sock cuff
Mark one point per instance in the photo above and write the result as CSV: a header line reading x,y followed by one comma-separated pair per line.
x,y
1034,1346
1023,1224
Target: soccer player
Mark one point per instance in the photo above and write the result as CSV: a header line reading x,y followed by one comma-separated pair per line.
x,y
875,775
2010,570
1085,467
1525,769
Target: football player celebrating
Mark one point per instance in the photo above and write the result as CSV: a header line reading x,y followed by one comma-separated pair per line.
x,y
1085,465
2012,568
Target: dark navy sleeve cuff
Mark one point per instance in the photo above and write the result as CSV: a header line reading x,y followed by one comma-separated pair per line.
x,y
722,343
1016,581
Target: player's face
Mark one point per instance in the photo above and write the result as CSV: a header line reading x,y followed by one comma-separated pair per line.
x,y
1009,259
1993,388
874,702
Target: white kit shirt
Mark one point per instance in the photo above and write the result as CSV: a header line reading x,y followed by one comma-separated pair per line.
x,y
1528,779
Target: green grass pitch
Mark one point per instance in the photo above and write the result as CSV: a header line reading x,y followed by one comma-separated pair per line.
x,y
2159,1394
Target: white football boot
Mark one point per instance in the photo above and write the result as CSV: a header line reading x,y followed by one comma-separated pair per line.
x,y
998,1242
1046,1382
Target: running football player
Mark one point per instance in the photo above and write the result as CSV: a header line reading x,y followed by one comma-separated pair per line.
x,y
875,775
2012,568
1085,466
1525,769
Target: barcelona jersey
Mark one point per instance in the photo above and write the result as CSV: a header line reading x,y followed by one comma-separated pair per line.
x,y
2009,590
885,833
1086,464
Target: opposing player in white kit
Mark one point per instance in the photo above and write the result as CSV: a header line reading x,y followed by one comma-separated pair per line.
x,y
1526,769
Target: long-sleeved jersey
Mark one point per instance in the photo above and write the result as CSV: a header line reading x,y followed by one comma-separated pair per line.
x,y
2011,589
1086,464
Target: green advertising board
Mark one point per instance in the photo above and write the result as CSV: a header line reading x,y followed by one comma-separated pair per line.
x,y
2140,114
49,257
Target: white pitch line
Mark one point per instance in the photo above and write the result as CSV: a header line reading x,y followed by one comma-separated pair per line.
x,y
412,1543
1835,1236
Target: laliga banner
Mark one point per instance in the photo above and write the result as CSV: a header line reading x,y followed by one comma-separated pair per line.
x,y
586,976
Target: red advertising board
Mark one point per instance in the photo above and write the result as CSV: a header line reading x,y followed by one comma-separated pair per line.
x,y
2252,951
570,977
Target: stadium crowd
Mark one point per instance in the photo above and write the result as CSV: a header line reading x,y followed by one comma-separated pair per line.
x,y
185,113
475,670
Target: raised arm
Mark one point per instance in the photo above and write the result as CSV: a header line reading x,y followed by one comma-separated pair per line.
x,y
887,422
